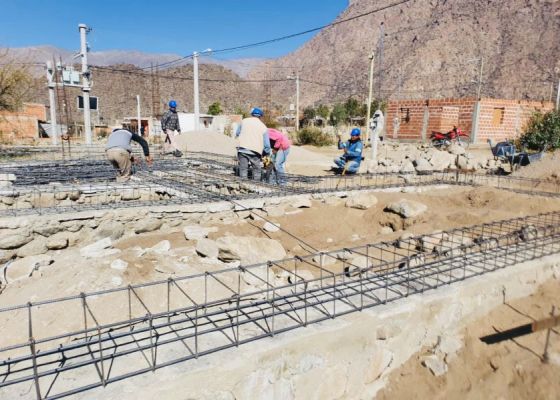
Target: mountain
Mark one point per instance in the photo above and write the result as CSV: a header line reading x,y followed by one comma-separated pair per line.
x,y
40,54
426,49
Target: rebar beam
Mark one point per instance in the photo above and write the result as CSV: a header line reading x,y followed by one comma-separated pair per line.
x,y
243,313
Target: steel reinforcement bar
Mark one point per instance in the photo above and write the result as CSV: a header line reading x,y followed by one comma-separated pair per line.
x,y
115,334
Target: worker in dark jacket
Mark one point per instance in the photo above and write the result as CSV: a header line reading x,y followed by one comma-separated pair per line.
x,y
350,161
119,152
170,125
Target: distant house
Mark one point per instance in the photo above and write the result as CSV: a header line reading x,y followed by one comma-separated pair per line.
x,y
24,124
483,119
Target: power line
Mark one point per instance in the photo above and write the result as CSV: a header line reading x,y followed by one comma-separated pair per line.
x,y
290,36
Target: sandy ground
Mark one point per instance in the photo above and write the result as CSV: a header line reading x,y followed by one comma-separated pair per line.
x,y
511,369
548,168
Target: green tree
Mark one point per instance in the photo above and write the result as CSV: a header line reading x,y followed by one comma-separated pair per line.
x,y
338,114
309,114
353,108
15,82
542,130
215,108
323,111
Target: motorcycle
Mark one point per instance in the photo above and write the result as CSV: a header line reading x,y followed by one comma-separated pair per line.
x,y
444,140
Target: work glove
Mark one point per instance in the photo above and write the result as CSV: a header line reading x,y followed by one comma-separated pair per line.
x,y
266,161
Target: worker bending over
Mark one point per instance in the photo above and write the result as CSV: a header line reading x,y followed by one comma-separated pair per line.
x,y
280,144
119,152
349,162
170,125
254,143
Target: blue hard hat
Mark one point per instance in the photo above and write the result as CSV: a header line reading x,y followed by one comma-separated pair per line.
x,y
355,132
173,104
257,112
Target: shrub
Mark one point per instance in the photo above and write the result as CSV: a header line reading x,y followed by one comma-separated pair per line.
x,y
542,130
313,136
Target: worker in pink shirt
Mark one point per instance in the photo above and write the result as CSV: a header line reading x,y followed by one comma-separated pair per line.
x,y
280,144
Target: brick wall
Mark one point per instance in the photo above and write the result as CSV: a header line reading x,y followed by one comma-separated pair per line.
x,y
504,119
498,119
443,114
23,124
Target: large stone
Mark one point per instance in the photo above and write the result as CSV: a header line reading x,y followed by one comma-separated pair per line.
x,y
196,232
324,259
6,255
435,364
456,149
361,201
111,229
301,202
249,250
441,160
35,247
58,241
269,227
7,177
207,248
47,229
406,167
161,248
147,225
96,249
406,208
423,166
23,268
130,194
13,241
43,200
275,211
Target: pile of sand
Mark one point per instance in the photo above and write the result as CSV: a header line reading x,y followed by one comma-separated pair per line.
x,y
548,168
209,141
215,142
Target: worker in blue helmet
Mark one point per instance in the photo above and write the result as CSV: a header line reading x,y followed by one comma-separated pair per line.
x,y
253,145
349,162
170,127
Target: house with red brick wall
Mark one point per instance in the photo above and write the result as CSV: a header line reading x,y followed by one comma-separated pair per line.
x,y
22,124
496,119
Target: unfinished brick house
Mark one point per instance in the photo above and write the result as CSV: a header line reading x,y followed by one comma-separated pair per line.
x,y
22,125
483,119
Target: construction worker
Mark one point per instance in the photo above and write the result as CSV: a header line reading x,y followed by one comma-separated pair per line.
x,y
280,144
349,162
254,143
119,152
170,125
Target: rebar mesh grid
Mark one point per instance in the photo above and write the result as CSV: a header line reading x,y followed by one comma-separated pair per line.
x,y
115,334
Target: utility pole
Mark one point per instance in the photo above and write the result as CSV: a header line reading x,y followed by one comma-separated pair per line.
x,y
297,102
380,57
558,97
139,115
370,95
86,87
196,99
296,78
479,92
52,103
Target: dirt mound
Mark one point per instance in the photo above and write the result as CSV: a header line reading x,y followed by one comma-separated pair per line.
x,y
210,141
548,168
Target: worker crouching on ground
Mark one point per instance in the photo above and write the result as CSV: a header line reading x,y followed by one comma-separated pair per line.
x,y
170,127
119,152
349,162
254,143
280,144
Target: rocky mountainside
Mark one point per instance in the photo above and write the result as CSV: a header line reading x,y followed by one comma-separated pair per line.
x,y
430,48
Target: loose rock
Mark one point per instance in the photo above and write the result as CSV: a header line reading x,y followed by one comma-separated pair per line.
x,y
58,241
119,265
207,248
23,268
361,201
196,232
33,248
14,241
147,225
271,227
406,208
249,250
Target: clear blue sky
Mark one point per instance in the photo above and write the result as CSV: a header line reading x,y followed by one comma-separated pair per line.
x,y
164,26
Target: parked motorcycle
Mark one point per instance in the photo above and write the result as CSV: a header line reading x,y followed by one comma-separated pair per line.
x,y
455,135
